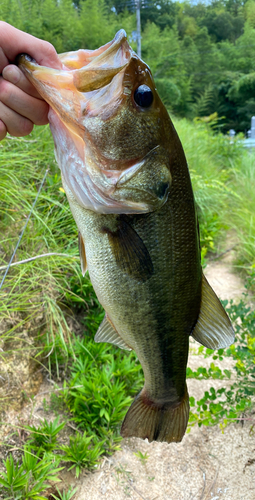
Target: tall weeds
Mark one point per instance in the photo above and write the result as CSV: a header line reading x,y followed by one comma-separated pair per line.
x,y
223,176
32,293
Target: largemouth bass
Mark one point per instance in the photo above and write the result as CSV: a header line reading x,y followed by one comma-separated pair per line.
x,y
127,181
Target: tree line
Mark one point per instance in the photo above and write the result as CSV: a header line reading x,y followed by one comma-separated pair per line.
x,y
202,56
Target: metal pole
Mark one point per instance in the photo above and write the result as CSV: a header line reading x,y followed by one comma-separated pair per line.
x,y
138,28
253,127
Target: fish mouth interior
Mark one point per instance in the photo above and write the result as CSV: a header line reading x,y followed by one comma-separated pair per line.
x,y
98,57
83,70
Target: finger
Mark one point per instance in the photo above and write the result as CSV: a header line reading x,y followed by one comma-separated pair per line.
x,y
36,110
3,60
14,75
3,130
43,52
15,124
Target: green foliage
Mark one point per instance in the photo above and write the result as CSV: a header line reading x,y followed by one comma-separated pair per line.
x,y
28,480
208,105
82,451
169,92
44,437
37,288
193,49
142,457
243,209
227,403
97,27
65,495
61,23
214,372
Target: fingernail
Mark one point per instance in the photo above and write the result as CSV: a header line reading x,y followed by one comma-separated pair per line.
x,y
12,74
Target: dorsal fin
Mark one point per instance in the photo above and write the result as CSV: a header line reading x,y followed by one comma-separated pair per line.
x,y
107,333
213,328
82,254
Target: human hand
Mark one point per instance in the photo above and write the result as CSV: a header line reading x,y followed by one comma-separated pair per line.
x,y
20,104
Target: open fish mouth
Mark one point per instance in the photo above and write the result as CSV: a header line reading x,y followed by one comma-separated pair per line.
x,y
90,99
83,72
88,69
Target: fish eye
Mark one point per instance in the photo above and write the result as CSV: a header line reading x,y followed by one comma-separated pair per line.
x,y
143,96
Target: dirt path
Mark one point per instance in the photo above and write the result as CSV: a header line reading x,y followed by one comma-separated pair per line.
x,y
207,464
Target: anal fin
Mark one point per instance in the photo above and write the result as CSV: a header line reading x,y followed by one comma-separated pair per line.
x,y
213,328
82,254
107,333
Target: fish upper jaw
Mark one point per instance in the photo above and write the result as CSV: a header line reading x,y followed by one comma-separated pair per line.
x,y
83,83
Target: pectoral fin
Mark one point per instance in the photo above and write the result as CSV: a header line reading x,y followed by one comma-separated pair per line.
x,y
107,333
129,250
82,254
213,328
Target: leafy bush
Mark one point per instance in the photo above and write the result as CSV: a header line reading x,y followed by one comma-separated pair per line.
x,y
83,452
225,404
27,481
44,437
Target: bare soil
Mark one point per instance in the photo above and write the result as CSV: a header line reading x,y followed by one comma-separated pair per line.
x,y
207,465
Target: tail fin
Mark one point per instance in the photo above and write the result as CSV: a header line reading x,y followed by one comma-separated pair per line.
x,y
156,422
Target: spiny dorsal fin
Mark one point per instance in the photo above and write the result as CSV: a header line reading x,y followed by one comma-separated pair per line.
x,y
82,254
130,251
213,328
107,333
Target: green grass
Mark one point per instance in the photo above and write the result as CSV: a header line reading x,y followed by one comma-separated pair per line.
x,y
33,292
243,182
223,179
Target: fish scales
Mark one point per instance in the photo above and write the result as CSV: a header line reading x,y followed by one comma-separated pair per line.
x,y
126,178
154,314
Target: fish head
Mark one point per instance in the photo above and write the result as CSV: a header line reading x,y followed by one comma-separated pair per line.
x,y
110,128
